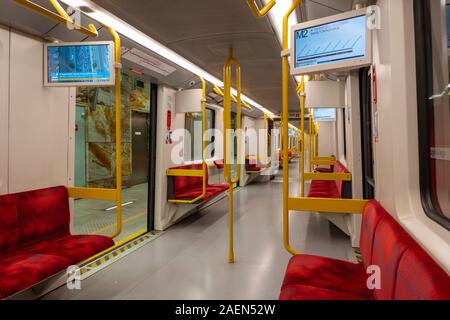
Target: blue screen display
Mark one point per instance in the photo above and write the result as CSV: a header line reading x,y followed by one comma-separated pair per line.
x,y
324,114
79,64
337,41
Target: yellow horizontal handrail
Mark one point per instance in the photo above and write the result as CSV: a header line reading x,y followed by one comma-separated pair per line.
x,y
326,205
60,17
259,13
92,193
324,162
328,176
185,173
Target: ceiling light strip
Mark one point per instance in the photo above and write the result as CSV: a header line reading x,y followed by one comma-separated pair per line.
x,y
104,17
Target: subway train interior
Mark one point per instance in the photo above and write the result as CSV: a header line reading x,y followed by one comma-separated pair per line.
x,y
263,150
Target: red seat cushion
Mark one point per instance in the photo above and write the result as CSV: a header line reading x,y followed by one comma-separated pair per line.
x,y
324,170
420,278
9,224
21,271
252,167
302,292
326,273
43,214
74,249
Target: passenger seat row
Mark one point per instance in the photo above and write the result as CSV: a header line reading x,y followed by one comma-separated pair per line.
x,y
35,240
404,270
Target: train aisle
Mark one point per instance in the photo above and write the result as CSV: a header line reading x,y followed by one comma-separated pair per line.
x,y
189,261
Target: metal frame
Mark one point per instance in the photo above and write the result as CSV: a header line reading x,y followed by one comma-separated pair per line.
x,y
94,83
301,203
333,66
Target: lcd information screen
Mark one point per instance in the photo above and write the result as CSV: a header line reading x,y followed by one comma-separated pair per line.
x,y
337,41
84,64
324,114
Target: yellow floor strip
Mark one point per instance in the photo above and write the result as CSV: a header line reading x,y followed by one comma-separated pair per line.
x,y
113,225
116,245
120,248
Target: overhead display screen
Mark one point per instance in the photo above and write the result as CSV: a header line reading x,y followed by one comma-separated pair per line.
x,y
324,114
338,41
80,64
341,42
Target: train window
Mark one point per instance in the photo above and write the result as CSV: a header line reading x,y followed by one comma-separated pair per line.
x,y
193,124
432,55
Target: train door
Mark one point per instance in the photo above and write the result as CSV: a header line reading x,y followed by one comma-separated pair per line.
x,y
365,78
98,151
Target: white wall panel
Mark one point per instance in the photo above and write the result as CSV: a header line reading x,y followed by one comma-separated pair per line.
x,y
39,121
4,98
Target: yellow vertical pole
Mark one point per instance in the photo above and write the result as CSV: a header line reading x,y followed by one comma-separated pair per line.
x,y
302,128
203,133
311,130
118,135
227,126
285,131
317,140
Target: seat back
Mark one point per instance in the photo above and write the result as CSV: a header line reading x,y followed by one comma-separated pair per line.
x,y
43,214
373,213
420,278
407,272
339,168
182,183
9,225
389,244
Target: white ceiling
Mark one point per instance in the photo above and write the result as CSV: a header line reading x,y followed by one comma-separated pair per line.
x,y
202,31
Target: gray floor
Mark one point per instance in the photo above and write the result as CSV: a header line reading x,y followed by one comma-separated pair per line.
x,y
90,216
189,261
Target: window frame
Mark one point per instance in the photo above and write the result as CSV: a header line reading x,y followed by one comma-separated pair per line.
x,y
192,142
424,73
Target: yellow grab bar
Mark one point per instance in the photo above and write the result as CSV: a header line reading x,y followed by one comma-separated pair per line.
x,y
259,13
227,126
60,17
285,130
118,68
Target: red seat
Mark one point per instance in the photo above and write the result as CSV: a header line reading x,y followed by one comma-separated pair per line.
x,y
73,248
303,292
252,167
219,164
35,242
20,271
188,188
407,271
331,274
325,188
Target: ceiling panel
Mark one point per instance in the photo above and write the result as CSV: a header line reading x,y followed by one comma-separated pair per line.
x,y
202,31
323,8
